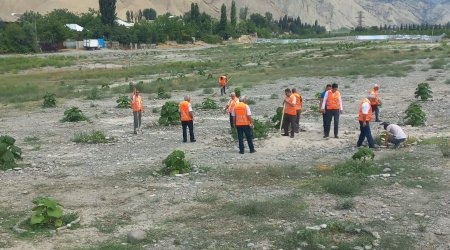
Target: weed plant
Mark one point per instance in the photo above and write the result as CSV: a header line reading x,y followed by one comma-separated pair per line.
x,y
175,163
94,94
46,213
73,114
49,100
209,103
169,114
162,94
208,91
423,91
414,115
123,102
345,204
94,137
9,153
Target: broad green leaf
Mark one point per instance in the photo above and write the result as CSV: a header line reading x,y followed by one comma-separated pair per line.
x,y
36,219
58,223
55,212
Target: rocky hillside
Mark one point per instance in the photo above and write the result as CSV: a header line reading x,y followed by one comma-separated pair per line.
x,y
331,13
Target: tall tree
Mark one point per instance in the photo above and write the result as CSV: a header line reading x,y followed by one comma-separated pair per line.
x,y
243,12
128,16
108,11
223,21
149,14
233,16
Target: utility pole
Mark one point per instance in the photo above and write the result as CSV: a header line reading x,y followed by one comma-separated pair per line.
x,y
360,18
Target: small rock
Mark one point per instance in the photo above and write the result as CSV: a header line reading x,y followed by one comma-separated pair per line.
x,y
323,226
358,248
334,247
250,245
304,244
418,186
319,246
17,169
376,235
136,236
368,247
357,230
25,192
386,170
315,228
419,214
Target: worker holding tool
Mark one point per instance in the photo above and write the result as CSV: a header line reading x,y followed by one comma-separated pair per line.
x,y
138,109
394,134
187,118
364,118
230,107
332,108
243,122
374,101
298,108
222,83
290,113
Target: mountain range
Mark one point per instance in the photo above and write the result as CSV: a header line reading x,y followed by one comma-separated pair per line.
x,y
332,14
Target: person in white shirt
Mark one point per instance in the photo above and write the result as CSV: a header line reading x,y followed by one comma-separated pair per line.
x,y
395,134
332,108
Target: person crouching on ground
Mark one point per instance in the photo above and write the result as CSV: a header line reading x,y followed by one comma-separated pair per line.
x,y
395,134
243,122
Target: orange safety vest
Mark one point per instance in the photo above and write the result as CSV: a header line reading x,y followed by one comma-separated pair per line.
x,y
288,109
298,103
240,112
231,104
222,81
374,93
333,100
369,115
184,111
136,103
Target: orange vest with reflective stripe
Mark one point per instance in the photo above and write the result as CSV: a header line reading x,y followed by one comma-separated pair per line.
x,y
289,109
333,100
240,112
184,111
136,103
231,104
298,104
222,81
369,115
374,93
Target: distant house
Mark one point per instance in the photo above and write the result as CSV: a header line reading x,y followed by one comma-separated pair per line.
x,y
74,27
123,23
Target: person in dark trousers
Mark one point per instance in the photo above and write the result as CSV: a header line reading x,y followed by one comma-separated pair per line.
x,y
223,83
230,106
322,95
332,108
290,113
364,118
187,118
374,101
394,134
243,123
298,108
138,109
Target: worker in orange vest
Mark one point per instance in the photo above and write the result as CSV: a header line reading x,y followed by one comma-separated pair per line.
x,y
374,101
136,105
364,118
230,106
290,113
187,118
222,83
332,108
298,108
243,122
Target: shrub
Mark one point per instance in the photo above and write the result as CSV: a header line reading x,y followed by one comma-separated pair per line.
x,y
47,213
317,95
209,103
123,102
169,114
73,114
276,119
342,186
363,154
93,94
201,72
414,115
208,91
260,130
355,168
8,152
444,146
95,136
423,91
212,39
49,100
175,164
237,91
345,204
162,94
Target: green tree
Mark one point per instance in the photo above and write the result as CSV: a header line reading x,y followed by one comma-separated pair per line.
x,y
243,12
222,29
128,14
233,16
149,14
108,11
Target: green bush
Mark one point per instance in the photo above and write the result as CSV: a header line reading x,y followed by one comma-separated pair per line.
x,y
317,95
169,114
237,91
212,39
363,154
414,115
123,102
175,163
162,94
423,91
94,137
46,213
276,119
209,103
73,114
355,168
259,131
49,100
444,146
94,94
345,204
8,152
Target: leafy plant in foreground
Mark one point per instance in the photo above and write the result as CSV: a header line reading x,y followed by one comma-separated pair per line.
x,y
175,163
95,136
73,114
363,154
8,152
414,115
123,102
169,114
47,213
49,100
423,91
209,103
